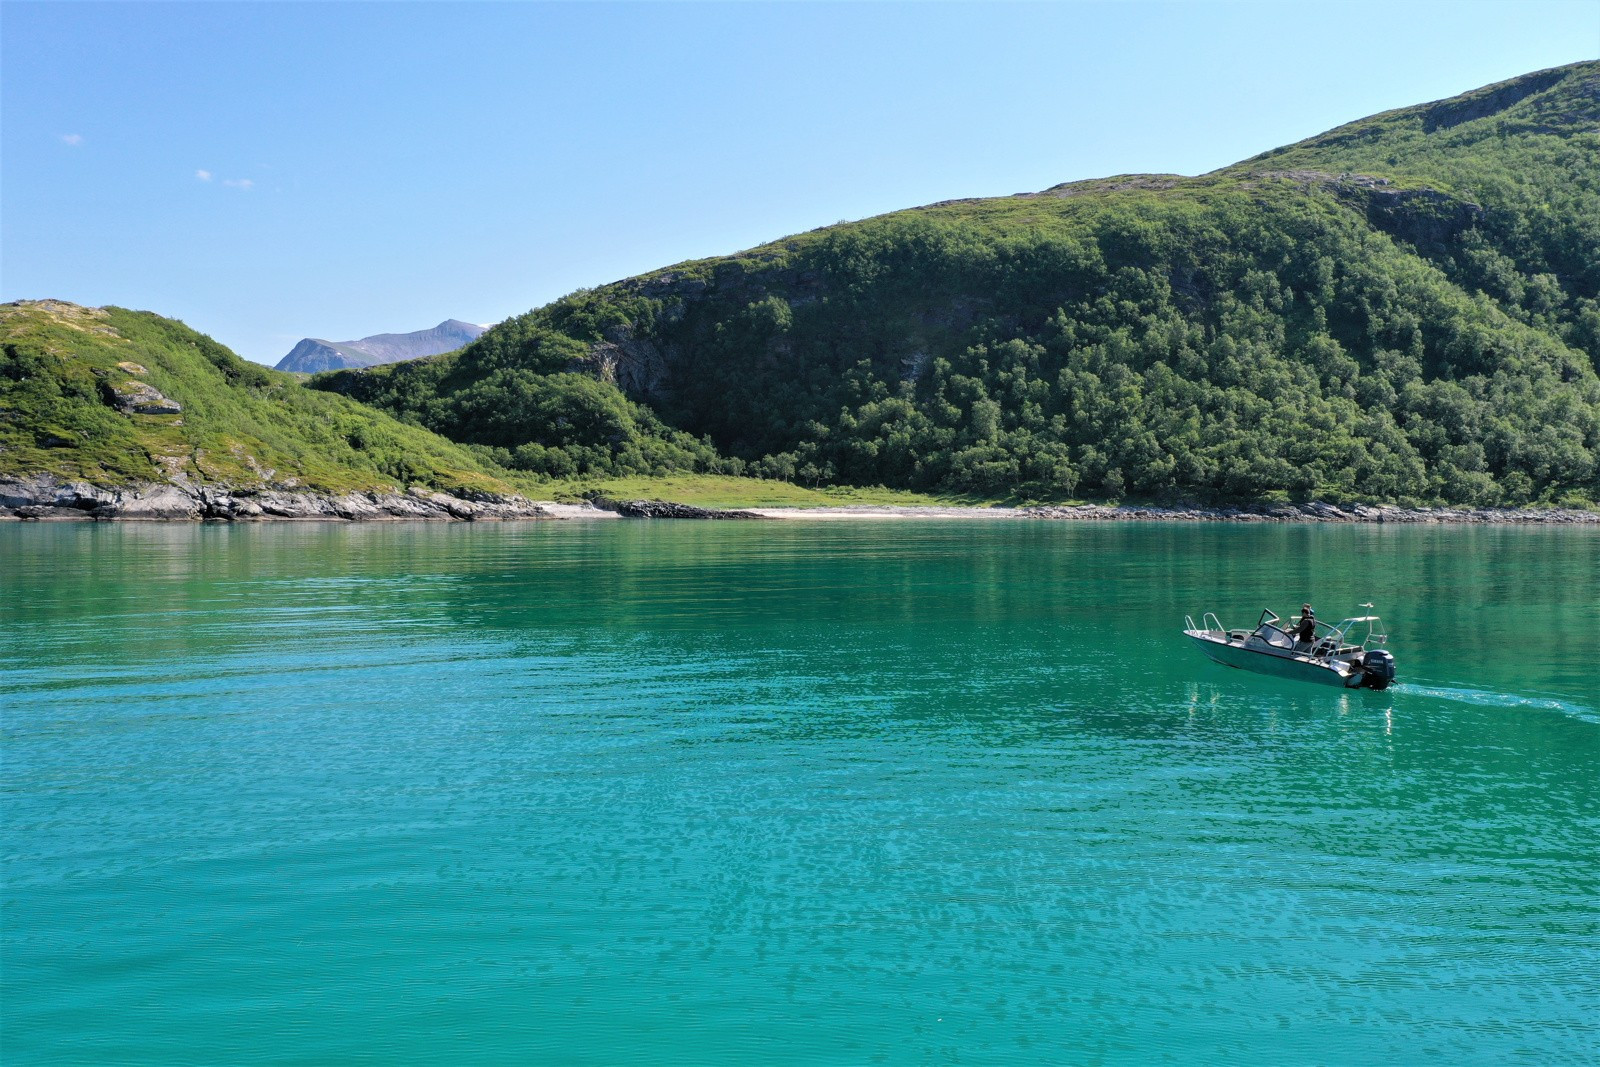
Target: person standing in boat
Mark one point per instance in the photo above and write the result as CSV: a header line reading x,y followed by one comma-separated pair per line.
x,y
1306,629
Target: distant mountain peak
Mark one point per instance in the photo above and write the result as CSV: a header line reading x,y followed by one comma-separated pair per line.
x,y
314,354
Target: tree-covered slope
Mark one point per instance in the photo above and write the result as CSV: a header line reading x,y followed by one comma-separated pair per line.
x,y
1403,308
115,397
1526,154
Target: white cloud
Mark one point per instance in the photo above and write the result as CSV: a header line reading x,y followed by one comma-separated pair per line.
x,y
232,183
73,139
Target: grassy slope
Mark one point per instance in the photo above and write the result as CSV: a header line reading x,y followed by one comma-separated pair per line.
x,y
241,424
1270,329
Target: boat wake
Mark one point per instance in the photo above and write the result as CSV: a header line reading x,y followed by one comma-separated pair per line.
x,y
1487,698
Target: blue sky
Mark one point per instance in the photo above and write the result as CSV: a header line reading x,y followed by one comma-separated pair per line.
x,y
271,171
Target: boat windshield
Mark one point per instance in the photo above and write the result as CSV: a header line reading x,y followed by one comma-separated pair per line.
x,y
1328,640
1267,630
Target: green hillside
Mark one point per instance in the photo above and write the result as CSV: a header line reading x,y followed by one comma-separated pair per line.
x,y
1404,308
114,397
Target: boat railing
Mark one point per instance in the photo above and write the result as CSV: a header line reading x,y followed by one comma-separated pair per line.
x,y
1329,640
1209,624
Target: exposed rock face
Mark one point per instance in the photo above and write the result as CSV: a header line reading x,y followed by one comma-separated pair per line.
x,y
43,497
313,354
638,366
1487,101
1427,218
138,398
86,320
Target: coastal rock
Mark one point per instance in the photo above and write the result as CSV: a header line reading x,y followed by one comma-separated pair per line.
x,y
45,498
1320,511
662,509
156,502
49,513
279,505
47,492
224,505
461,509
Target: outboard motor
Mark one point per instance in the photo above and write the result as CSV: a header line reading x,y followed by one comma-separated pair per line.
x,y
1377,669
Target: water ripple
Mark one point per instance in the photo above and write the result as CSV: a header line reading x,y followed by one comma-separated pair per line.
x,y
727,794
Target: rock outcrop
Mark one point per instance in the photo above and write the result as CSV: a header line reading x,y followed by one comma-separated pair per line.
x,y
663,509
47,498
139,398
637,365
1422,216
1320,511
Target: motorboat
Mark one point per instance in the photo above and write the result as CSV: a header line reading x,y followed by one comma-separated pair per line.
x,y
1348,654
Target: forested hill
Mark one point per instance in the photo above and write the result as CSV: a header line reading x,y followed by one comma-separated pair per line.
x,y
1404,308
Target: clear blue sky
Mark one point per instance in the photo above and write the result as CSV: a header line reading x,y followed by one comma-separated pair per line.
x,y
272,171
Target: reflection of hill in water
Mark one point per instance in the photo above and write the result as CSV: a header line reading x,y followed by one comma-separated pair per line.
x,y
990,617
1009,632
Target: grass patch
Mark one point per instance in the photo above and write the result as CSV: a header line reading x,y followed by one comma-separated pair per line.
x,y
727,491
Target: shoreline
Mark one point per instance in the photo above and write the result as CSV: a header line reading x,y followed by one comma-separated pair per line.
x,y
44,499
1315,511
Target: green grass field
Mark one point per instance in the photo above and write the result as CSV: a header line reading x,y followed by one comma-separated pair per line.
x,y
725,491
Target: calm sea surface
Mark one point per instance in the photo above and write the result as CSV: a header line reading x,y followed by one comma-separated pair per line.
x,y
735,793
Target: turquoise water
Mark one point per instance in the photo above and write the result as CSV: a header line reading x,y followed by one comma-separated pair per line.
x,y
868,792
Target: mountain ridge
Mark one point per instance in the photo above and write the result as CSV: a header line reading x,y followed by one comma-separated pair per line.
x,y
314,354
